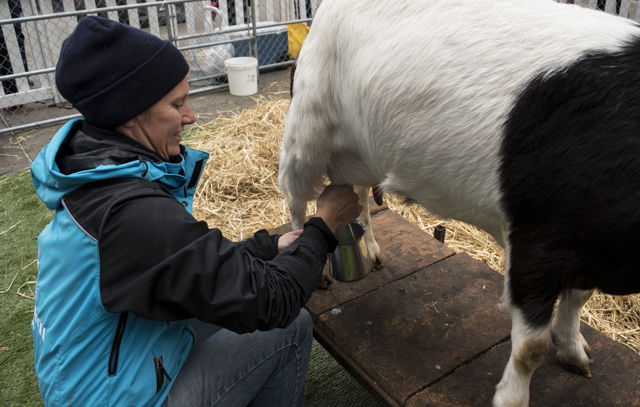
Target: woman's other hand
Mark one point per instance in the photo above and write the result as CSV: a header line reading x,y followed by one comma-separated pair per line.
x,y
288,238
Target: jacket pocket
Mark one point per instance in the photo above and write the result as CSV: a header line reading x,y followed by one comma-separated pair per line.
x,y
161,373
115,346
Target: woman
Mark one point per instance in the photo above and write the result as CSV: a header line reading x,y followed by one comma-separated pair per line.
x,y
124,265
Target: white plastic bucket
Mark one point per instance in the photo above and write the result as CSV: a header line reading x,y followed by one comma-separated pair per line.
x,y
242,73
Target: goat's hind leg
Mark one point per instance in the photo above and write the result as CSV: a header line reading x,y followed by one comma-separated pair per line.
x,y
301,174
529,295
372,246
296,192
529,346
349,169
573,350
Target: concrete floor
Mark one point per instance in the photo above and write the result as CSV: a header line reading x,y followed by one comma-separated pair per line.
x,y
17,151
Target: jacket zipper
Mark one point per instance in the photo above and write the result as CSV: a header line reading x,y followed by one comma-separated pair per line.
x,y
160,373
115,347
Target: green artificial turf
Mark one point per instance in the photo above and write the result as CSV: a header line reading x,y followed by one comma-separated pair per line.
x,y
329,385
22,218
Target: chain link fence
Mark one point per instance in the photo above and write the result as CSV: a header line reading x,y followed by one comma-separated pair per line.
x,y
623,8
207,32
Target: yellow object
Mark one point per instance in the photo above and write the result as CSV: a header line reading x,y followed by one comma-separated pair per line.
x,y
296,35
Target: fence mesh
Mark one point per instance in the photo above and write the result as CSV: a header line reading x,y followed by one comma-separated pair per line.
x,y
207,32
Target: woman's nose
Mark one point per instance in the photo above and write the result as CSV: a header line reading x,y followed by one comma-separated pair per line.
x,y
189,117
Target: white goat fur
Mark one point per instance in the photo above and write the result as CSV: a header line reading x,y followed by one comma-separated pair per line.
x,y
414,95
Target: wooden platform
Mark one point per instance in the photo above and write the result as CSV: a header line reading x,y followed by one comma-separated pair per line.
x,y
425,330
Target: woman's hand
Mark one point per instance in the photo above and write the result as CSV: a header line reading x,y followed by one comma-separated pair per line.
x,y
338,205
288,238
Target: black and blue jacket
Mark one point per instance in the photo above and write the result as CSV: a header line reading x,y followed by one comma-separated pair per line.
x,y
124,265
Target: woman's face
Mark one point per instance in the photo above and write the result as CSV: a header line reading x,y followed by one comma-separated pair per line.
x,y
159,127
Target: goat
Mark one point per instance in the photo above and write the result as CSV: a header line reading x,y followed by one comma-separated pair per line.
x,y
521,117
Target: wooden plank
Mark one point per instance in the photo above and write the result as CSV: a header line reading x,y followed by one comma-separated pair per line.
x,y
55,31
610,6
154,22
190,14
206,18
112,15
353,369
433,336
633,10
417,330
625,8
36,43
406,249
224,20
134,14
14,99
615,381
13,54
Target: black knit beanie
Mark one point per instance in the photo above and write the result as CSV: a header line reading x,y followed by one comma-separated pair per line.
x,y
111,72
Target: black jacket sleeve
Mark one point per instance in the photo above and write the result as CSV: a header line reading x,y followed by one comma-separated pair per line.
x,y
160,263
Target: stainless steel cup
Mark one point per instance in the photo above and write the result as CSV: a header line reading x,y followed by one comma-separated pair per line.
x,y
350,261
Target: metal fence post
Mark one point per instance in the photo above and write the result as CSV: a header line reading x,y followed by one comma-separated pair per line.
x,y
254,22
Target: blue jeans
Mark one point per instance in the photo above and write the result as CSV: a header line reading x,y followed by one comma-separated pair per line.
x,y
256,369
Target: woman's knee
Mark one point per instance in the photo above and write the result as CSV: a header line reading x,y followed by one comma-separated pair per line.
x,y
304,328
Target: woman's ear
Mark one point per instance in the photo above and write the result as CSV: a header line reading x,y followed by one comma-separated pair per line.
x,y
127,128
129,124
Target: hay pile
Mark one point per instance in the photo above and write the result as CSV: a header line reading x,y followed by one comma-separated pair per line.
x,y
238,191
239,194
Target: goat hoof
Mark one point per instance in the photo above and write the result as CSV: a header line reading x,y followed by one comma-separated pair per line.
x,y
324,283
583,370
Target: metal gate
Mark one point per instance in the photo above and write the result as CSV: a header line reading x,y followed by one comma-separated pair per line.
x,y
207,32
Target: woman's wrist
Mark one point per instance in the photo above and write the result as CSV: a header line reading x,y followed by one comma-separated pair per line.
x,y
328,220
